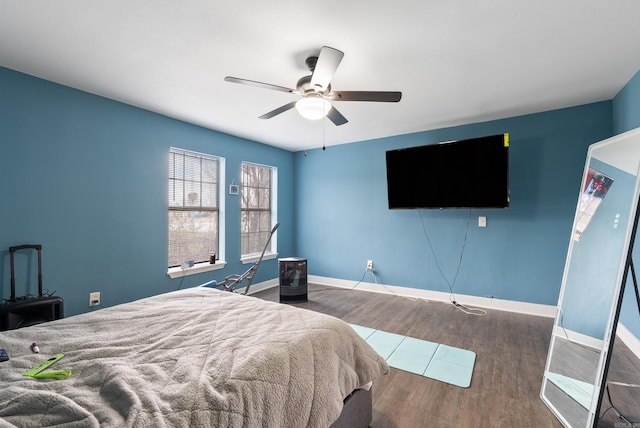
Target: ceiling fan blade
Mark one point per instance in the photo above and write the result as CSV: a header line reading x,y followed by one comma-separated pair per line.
x,y
326,66
378,96
279,110
336,117
258,84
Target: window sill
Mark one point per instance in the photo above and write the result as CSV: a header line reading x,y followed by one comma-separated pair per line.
x,y
255,257
178,272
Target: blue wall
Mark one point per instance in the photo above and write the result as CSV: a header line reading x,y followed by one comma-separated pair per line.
x,y
626,107
86,177
626,116
342,217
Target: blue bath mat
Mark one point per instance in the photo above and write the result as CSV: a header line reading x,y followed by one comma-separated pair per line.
x,y
429,359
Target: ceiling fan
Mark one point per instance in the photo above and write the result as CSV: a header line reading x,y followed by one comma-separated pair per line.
x,y
316,92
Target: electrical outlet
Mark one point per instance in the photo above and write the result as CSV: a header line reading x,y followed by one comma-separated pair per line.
x,y
94,298
369,265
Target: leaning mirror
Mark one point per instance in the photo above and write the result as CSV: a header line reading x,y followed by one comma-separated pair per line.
x,y
596,267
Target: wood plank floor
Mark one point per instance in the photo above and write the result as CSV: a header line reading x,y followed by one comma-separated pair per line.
x,y
511,354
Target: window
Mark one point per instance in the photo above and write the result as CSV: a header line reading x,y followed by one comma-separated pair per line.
x,y
257,209
194,207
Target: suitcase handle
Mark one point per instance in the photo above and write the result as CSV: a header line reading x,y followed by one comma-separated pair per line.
x,y
12,250
25,247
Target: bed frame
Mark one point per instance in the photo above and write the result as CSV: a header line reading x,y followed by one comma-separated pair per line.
x,y
357,411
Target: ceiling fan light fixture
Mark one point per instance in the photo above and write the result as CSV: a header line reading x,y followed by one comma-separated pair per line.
x,y
313,107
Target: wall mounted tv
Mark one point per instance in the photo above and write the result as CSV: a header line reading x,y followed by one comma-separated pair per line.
x,y
471,173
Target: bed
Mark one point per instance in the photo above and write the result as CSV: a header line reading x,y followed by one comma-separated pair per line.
x,y
191,358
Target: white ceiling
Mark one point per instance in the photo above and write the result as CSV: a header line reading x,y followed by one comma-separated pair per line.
x,y
455,61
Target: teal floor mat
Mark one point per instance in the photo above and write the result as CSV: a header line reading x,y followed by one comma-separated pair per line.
x,y
580,391
429,359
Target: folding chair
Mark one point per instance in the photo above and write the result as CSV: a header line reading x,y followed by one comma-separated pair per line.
x,y
232,281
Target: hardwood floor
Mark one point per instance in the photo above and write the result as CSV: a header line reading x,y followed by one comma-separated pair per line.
x,y
625,367
511,353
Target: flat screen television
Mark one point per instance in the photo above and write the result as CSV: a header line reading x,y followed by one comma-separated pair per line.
x,y
471,173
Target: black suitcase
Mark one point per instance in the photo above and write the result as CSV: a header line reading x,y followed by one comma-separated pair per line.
x,y
25,311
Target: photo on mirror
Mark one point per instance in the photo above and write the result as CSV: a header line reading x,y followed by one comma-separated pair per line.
x,y
594,189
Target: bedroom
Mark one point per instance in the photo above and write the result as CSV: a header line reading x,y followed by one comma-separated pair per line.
x,y
85,176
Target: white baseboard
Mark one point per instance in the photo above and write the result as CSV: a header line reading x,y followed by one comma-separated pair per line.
x,y
580,338
482,302
632,342
264,285
622,333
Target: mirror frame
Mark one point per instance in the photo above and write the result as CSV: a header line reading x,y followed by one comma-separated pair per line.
x,y
632,139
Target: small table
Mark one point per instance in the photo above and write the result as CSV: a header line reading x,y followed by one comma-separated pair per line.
x,y
293,279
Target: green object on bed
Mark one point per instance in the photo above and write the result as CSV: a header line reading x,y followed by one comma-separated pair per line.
x,y
424,358
39,373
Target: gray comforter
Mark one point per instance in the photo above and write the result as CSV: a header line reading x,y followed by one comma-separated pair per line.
x,y
191,358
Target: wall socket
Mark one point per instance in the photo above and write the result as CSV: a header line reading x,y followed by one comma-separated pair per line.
x,y
369,265
94,298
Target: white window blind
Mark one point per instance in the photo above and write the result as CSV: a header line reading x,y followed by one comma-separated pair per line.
x,y
193,206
